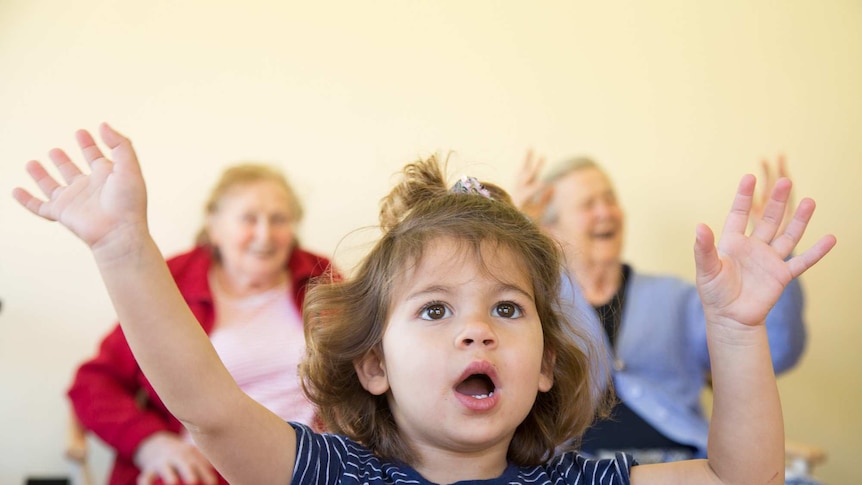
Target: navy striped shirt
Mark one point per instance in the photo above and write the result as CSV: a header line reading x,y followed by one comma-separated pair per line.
x,y
335,459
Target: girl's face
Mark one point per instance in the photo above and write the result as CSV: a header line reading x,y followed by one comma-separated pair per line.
x,y
463,351
253,230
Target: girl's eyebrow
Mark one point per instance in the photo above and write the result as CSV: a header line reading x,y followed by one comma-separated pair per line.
x,y
430,290
511,287
446,290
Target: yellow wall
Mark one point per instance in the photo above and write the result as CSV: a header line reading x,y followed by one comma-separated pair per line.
x,y
677,98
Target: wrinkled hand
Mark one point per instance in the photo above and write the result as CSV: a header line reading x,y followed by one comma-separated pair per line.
x,y
530,194
742,279
109,200
770,177
167,457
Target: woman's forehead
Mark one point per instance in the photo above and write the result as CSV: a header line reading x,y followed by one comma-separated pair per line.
x,y
254,193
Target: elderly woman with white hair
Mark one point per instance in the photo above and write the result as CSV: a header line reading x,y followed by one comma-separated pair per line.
x,y
653,325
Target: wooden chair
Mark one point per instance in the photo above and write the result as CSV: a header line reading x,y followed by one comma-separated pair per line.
x,y
76,452
801,458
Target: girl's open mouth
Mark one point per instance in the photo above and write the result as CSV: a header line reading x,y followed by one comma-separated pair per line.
x,y
479,386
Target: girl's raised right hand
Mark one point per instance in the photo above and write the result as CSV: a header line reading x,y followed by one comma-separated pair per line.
x,y
104,208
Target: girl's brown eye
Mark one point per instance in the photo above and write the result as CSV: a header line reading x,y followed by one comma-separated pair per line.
x,y
507,309
434,311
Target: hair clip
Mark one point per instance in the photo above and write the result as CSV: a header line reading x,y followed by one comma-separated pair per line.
x,y
470,185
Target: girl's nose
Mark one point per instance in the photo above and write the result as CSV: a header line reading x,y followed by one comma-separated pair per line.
x,y
477,331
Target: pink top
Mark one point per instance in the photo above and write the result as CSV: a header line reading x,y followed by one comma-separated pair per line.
x,y
261,342
109,390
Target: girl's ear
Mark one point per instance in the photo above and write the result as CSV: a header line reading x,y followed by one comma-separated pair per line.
x,y
546,378
372,372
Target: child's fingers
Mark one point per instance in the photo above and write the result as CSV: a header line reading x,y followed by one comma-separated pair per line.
x,y
43,179
64,165
112,137
794,231
122,152
29,202
799,264
773,213
737,219
705,253
91,152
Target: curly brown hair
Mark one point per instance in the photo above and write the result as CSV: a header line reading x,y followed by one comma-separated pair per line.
x,y
346,320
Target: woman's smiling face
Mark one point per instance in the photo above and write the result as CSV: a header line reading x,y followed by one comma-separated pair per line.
x,y
253,229
590,218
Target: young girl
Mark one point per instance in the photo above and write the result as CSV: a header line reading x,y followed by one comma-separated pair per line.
x,y
445,358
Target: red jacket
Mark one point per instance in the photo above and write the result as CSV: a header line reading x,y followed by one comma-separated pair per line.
x,y
110,394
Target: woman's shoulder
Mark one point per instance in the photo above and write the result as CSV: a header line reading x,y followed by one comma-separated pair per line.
x,y
302,254
306,264
657,284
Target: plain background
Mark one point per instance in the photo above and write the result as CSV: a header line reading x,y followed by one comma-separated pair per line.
x,y
677,98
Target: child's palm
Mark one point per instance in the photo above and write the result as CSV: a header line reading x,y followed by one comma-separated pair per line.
x,y
743,278
751,279
110,198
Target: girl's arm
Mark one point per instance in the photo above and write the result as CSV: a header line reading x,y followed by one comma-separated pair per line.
x,y
739,281
107,210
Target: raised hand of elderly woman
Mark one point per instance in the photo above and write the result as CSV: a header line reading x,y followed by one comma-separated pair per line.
x,y
530,194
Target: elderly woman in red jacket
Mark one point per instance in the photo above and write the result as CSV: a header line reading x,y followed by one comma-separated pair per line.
x,y
245,281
